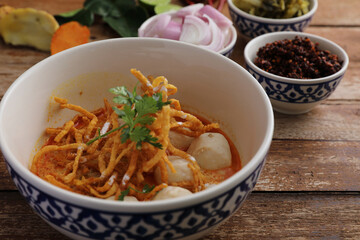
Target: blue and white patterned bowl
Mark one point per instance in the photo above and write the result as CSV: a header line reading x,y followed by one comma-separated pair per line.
x,y
290,95
218,89
252,26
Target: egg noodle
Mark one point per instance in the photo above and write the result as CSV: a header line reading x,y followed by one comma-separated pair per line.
x,y
107,167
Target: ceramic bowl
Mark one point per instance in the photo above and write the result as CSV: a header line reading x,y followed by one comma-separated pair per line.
x,y
217,89
231,36
252,26
290,95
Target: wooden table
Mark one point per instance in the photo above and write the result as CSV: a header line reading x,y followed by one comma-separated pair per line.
x,y
310,186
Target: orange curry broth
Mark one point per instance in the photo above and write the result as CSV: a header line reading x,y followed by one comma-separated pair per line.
x,y
49,163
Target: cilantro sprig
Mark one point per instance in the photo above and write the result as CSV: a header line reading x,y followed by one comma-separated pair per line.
x,y
137,113
146,189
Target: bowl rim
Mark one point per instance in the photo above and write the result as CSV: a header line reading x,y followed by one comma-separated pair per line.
x,y
287,35
273,20
224,50
138,207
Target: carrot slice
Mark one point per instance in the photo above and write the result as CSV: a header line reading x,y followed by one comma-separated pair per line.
x,y
69,35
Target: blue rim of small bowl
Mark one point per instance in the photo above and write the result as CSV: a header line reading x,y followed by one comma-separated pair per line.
x,y
274,21
290,35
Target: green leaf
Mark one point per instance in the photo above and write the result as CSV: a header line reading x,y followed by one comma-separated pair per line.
x,y
120,100
123,194
137,114
118,90
153,141
84,17
125,134
147,106
100,7
69,14
145,120
119,112
139,134
128,24
147,188
159,103
124,96
129,115
125,5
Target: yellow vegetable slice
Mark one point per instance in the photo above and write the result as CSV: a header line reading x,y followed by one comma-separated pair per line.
x,y
28,26
4,9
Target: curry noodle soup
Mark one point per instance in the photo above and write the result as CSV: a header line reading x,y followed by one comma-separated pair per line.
x,y
141,149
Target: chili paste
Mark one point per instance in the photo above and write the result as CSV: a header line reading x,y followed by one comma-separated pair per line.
x,y
297,58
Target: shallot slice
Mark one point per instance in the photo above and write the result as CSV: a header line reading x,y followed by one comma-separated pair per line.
x,y
189,10
218,17
172,31
217,41
195,31
156,27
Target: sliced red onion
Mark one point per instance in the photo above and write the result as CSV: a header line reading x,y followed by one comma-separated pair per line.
x,y
227,36
195,31
156,27
189,10
172,31
218,17
198,24
217,41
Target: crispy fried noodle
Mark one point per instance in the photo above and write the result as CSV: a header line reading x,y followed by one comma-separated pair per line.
x,y
89,154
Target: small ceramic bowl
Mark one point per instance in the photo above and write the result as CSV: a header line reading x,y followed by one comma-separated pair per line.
x,y
218,89
252,26
291,95
226,51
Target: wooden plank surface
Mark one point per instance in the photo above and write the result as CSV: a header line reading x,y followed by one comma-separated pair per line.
x,y
337,13
309,187
263,216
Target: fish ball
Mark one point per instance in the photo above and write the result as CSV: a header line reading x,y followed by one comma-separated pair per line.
x,y
211,151
130,199
183,172
179,140
171,192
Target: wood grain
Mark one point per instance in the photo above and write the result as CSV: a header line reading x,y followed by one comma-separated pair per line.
x,y
311,166
263,216
337,13
309,187
328,121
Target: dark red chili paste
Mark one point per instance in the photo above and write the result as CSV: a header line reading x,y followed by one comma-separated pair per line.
x,y
297,58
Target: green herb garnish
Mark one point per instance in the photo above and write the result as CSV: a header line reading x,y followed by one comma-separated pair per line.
x,y
137,114
146,189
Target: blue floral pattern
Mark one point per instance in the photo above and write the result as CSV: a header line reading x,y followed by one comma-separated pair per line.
x,y
175,224
295,93
252,28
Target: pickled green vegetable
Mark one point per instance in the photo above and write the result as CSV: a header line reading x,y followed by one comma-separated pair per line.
x,y
274,8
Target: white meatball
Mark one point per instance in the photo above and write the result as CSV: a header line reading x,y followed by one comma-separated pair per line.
x,y
211,151
179,140
130,199
171,192
183,172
